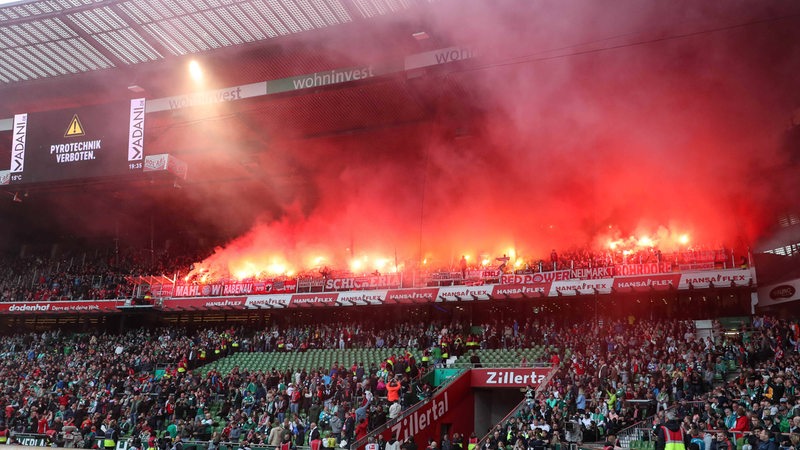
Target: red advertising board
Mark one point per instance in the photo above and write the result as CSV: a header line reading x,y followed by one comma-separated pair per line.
x,y
588,273
445,276
484,274
509,377
539,277
280,287
696,266
223,289
642,269
452,405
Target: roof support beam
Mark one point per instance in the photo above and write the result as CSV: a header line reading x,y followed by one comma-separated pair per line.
x,y
144,34
97,46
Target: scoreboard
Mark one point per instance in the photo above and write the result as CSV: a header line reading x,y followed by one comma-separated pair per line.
x,y
80,143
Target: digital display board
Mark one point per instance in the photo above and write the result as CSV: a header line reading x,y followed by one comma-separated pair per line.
x,y
70,144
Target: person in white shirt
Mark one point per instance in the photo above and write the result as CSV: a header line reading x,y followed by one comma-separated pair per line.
x,y
394,410
392,444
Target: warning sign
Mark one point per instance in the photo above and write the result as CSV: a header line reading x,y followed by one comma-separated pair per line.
x,y
78,143
75,128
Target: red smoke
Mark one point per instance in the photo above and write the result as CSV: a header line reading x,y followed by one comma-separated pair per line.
x,y
578,124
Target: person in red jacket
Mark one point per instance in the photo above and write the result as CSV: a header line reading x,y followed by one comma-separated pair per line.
x,y
742,424
361,429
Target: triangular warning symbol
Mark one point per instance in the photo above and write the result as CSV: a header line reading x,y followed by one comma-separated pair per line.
x,y
75,128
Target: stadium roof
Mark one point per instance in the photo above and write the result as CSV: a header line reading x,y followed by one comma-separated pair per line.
x,y
58,54
50,38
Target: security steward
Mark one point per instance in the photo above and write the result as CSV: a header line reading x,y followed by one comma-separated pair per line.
x,y
669,435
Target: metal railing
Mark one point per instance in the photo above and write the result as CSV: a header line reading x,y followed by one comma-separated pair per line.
x,y
639,430
410,410
520,405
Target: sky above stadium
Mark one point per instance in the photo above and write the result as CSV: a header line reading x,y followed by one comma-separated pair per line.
x,y
577,124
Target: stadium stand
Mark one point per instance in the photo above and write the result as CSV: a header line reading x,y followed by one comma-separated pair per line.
x,y
325,130
113,273
220,385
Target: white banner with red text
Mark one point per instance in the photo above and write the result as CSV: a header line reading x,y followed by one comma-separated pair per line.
x,y
212,297
519,377
526,288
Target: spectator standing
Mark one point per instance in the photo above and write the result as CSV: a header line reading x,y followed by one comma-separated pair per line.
x,y
669,435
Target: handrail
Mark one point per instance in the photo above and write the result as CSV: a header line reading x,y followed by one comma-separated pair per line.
x,y
389,423
513,411
467,365
44,440
624,435
524,401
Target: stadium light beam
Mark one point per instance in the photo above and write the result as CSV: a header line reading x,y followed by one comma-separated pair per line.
x,y
195,71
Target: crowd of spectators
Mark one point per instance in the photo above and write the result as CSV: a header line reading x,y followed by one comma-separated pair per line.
x,y
113,273
48,279
82,387
618,374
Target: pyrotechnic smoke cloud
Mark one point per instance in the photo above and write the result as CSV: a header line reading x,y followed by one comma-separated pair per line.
x,y
578,123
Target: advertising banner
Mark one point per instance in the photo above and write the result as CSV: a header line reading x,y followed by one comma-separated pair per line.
x,y
361,298
437,57
582,287
773,294
539,277
465,293
696,266
444,277
521,290
484,274
221,289
82,306
720,278
642,269
320,79
203,303
320,299
306,283
452,405
519,377
698,256
423,295
268,301
587,273
389,281
647,282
